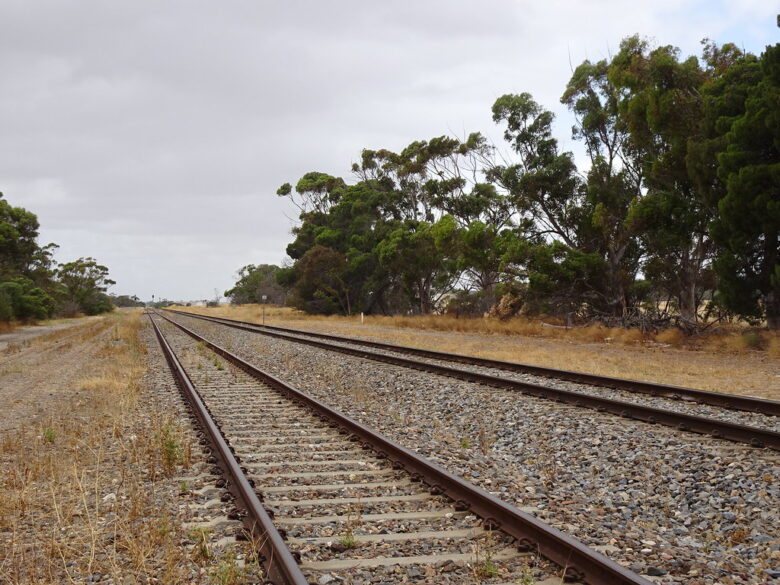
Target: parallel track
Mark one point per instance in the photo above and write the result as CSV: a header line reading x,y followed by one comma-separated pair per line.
x,y
724,400
755,436
269,424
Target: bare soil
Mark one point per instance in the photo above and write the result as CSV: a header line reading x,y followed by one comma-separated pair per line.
x,y
37,378
27,333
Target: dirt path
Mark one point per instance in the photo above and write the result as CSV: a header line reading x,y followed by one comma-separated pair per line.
x,y
32,331
37,378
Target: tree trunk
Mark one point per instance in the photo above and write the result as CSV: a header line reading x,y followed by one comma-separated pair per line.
x,y
617,292
773,310
687,295
772,297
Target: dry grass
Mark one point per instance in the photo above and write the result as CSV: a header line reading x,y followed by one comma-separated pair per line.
x,y
76,333
8,327
728,339
80,491
730,359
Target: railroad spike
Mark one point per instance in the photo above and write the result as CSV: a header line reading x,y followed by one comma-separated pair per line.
x,y
525,545
571,574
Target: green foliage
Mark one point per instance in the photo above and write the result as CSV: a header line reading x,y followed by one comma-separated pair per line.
x,y
254,282
126,301
30,286
21,299
418,253
19,249
447,223
48,435
83,284
748,225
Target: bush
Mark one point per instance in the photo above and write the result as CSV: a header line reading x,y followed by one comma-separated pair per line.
x,y
97,303
21,299
6,307
469,304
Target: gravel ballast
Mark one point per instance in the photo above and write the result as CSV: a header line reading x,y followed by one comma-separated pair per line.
x,y
753,419
672,506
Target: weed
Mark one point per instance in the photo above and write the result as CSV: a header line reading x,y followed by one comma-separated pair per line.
x,y
354,519
48,435
486,441
752,340
348,540
465,443
484,565
526,574
738,536
171,450
218,363
202,551
95,483
228,571
488,569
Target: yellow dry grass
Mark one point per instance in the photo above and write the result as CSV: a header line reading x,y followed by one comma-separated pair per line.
x,y
733,360
77,495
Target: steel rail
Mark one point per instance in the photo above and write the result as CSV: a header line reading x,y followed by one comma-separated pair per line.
x,y
723,400
279,564
719,429
580,563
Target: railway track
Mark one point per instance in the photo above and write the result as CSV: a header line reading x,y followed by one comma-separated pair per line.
x,y
351,503
676,410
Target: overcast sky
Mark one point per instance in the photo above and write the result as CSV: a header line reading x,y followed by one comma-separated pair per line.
x,y
153,135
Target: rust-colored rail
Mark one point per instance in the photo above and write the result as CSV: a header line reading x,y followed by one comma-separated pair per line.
x,y
580,563
279,564
723,400
754,436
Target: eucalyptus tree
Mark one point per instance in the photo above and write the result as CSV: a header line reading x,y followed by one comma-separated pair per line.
x,y
20,254
83,284
543,184
614,180
553,251
748,225
665,111
256,282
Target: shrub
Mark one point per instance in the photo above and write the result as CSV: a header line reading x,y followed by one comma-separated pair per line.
x,y
21,299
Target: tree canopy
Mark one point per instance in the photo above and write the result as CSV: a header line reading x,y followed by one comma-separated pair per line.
x,y
676,212
32,285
